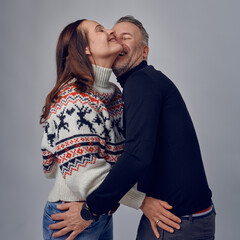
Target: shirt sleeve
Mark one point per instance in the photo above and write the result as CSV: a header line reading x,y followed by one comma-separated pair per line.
x,y
142,103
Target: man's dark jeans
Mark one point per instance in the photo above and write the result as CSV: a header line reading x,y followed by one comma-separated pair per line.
x,y
191,229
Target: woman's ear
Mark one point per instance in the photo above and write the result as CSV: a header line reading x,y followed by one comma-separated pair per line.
x,y
87,51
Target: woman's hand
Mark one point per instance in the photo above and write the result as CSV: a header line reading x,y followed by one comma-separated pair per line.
x,y
71,220
158,213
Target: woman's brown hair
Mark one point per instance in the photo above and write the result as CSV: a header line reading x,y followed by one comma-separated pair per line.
x,y
72,62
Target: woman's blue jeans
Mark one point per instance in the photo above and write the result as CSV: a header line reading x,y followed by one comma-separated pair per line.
x,y
102,229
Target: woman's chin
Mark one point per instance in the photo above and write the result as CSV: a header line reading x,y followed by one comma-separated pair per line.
x,y
117,48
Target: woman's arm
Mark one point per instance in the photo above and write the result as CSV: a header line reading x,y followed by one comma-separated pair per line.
x,y
48,150
133,198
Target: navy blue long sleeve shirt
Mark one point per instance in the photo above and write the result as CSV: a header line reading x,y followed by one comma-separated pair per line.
x,y
161,150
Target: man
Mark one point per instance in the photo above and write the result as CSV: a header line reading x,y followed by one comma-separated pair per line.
x,y
161,151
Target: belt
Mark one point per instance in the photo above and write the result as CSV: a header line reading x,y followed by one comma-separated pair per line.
x,y
200,214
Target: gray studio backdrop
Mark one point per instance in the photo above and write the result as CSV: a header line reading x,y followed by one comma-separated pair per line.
x,y
194,42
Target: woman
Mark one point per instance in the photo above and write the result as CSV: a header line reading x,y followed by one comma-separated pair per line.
x,y
82,118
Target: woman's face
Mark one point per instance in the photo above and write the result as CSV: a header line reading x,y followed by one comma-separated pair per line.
x,y
103,46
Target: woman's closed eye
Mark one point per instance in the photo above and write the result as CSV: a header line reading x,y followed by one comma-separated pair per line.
x,y
99,28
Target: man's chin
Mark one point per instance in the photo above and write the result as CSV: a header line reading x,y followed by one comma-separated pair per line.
x,y
121,65
119,62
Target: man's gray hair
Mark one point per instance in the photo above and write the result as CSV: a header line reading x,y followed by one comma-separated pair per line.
x,y
137,23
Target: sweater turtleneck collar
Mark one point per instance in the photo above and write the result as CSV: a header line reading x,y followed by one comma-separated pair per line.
x,y
122,79
102,76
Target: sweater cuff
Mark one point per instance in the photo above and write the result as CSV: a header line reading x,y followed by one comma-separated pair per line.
x,y
133,198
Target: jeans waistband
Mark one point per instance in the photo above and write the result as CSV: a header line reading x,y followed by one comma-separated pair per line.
x,y
110,212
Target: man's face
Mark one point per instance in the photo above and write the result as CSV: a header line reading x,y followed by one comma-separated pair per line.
x,y
130,37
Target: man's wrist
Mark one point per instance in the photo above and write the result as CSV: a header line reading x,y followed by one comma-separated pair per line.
x,y
143,203
87,214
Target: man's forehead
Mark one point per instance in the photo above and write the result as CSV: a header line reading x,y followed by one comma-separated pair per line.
x,y
126,28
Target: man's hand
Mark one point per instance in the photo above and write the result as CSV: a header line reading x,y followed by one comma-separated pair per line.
x,y
71,220
155,210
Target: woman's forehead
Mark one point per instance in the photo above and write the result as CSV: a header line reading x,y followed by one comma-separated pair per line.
x,y
89,25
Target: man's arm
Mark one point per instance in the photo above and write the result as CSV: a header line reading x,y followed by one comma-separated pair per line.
x,y
142,105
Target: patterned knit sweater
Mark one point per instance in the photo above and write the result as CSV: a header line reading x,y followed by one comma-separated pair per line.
x,y
83,138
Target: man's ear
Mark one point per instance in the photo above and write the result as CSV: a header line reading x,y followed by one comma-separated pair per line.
x,y
87,51
145,52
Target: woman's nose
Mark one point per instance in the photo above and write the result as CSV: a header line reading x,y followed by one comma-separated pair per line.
x,y
109,31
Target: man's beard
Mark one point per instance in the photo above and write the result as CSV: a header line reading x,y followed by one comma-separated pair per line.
x,y
118,71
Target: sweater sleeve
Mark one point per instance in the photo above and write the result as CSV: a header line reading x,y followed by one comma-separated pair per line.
x,y
133,198
142,102
48,150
